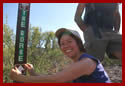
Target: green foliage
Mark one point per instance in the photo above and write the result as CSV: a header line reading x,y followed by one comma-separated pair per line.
x,y
8,51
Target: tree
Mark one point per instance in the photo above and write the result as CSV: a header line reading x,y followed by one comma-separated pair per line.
x,y
8,50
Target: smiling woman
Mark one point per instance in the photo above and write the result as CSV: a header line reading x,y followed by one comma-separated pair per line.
x,y
48,16
85,69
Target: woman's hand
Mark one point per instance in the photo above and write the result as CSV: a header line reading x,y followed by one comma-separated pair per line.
x,y
30,69
14,73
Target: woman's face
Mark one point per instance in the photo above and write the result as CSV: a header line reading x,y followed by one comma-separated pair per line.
x,y
69,46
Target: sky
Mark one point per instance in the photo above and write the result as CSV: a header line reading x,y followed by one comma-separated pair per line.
x,y
48,16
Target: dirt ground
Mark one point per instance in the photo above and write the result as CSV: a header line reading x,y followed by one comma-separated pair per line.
x,y
115,73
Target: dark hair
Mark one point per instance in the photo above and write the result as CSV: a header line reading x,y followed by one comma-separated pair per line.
x,y
78,41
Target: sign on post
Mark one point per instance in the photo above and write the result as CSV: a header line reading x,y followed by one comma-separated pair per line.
x,y
22,36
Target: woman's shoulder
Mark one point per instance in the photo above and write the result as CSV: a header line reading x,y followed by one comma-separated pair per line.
x,y
88,57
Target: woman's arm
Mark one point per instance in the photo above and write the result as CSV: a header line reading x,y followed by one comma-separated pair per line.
x,y
84,67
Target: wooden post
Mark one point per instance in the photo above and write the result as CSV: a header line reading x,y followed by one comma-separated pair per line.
x,y
22,36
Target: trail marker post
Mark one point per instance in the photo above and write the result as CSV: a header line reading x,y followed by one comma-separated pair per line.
x,y
22,36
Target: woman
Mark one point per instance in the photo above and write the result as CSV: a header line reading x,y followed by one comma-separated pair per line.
x,y
85,69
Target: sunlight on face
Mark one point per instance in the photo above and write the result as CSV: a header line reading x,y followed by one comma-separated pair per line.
x,y
69,46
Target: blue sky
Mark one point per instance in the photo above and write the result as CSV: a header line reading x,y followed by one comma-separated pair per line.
x,y
48,16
